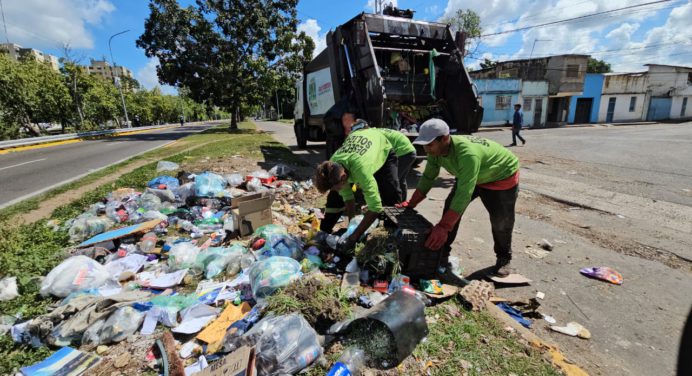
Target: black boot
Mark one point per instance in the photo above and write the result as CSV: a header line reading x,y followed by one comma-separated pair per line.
x,y
502,267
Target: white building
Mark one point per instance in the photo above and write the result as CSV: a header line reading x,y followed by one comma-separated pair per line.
x,y
105,70
16,52
670,88
624,97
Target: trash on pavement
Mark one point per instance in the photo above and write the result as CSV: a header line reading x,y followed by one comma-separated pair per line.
x,y
8,288
476,293
545,244
512,279
515,314
603,273
66,361
573,329
537,253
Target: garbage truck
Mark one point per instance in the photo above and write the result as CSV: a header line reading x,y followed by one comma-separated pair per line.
x,y
396,71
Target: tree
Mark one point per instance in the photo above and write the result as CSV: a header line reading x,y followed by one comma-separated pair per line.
x,y
597,66
225,52
487,63
469,22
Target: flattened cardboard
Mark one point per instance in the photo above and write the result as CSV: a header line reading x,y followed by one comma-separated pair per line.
x,y
252,211
238,363
121,232
512,279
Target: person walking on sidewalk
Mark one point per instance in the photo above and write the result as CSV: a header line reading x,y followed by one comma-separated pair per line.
x,y
517,123
482,168
366,158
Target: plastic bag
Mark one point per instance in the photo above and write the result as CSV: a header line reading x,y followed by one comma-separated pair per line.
x,y
266,231
85,227
184,191
165,195
281,245
8,288
284,344
149,201
164,182
166,166
74,274
254,185
281,170
91,335
234,180
208,184
182,256
151,215
121,324
217,259
268,275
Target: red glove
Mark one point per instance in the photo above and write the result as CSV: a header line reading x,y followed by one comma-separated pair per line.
x,y
417,197
439,234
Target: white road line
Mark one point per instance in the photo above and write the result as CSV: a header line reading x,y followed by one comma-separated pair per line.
x,y
22,164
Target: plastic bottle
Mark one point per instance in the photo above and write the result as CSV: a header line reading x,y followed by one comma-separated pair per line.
x,y
350,363
148,242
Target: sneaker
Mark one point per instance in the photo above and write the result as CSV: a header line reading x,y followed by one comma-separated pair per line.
x,y
523,142
512,145
503,267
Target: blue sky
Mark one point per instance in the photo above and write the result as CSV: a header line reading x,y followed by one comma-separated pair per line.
x,y
657,33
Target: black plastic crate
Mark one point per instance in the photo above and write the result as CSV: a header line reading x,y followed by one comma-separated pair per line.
x,y
410,231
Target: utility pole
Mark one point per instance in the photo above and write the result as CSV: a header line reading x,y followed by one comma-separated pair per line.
x,y
4,24
117,78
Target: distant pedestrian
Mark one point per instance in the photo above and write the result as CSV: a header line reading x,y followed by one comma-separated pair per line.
x,y
517,123
182,120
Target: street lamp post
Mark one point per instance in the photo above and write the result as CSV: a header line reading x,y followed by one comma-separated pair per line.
x,y
117,79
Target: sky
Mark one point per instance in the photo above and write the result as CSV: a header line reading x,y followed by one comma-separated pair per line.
x,y
656,33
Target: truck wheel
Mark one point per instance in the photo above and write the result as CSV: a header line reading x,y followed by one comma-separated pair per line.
x,y
301,137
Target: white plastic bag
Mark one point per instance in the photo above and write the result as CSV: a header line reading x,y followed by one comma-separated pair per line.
x,y
234,180
75,274
8,288
183,256
209,184
121,324
281,170
166,166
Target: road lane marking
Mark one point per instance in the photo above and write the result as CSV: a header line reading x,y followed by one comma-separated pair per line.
x,y
22,164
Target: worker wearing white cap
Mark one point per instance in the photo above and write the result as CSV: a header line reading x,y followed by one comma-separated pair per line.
x,y
482,168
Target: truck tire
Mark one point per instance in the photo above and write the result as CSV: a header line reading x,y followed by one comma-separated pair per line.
x,y
301,136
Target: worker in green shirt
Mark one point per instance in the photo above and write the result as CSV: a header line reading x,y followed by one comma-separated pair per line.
x,y
482,168
402,146
366,158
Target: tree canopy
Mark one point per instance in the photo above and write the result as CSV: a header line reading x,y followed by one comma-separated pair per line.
x,y
228,53
597,66
468,21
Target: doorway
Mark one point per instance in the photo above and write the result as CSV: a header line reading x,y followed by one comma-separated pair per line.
x,y
611,110
583,111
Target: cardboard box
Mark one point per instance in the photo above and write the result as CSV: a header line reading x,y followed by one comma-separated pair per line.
x,y
238,363
252,211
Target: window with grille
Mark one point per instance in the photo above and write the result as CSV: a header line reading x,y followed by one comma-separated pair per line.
x,y
527,104
573,70
502,102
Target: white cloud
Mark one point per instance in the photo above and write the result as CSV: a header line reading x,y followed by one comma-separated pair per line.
x,y
147,77
312,29
49,24
613,31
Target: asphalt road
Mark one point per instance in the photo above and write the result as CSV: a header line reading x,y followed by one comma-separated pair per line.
x,y
27,173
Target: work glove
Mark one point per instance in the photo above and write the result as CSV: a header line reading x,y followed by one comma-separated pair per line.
x,y
417,197
344,245
440,232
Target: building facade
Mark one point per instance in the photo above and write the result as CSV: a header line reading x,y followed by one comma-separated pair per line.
x,y
17,52
624,97
564,73
498,97
670,90
584,108
534,101
104,70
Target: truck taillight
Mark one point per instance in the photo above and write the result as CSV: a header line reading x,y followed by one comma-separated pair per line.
x,y
360,32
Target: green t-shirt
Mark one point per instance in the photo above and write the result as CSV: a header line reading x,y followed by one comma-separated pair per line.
x,y
472,160
400,143
362,154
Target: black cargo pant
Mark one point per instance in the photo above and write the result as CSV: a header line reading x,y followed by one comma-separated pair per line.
x,y
405,165
500,206
387,178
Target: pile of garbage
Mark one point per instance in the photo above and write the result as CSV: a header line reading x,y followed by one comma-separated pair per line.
x,y
207,271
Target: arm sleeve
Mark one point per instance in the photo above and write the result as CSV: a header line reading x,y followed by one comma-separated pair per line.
x,y
346,192
432,171
466,182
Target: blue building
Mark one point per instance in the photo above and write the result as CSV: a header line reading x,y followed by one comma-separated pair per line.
x,y
584,108
498,96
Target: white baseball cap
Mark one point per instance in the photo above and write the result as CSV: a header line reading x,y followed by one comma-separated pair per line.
x,y
430,130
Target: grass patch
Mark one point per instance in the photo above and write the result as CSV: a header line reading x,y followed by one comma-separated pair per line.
x,y
475,343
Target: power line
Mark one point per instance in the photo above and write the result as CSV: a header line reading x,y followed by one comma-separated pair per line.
x,y
574,18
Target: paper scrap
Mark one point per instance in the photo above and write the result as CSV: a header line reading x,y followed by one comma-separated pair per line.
x,y
195,318
150,321
216,330
130,263
167,280
198,366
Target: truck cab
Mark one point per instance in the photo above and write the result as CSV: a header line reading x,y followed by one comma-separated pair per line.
x,y
398,72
